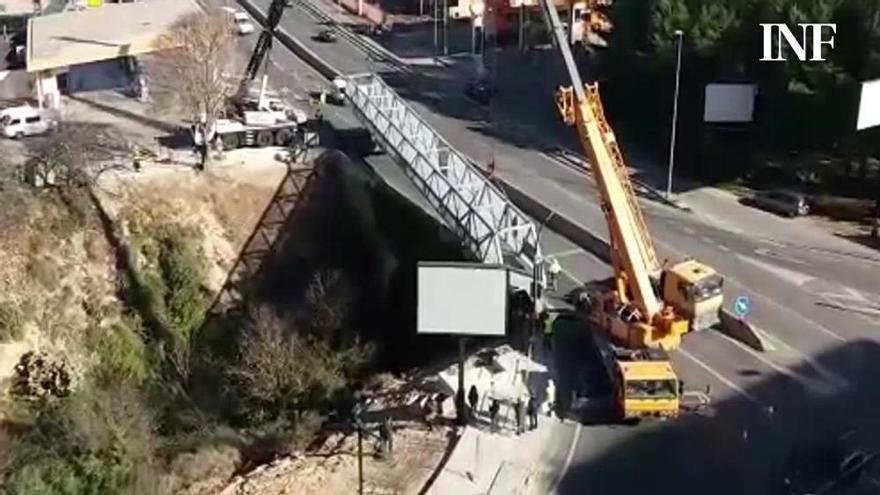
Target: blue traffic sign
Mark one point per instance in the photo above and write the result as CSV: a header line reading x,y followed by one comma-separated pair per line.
x,y
742,306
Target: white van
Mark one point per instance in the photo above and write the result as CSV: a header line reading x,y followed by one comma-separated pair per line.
x,y
241,22
25,120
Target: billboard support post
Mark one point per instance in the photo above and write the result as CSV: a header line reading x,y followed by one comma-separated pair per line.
x,y
460,410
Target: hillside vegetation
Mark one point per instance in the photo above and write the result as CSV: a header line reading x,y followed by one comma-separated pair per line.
x,y
117,378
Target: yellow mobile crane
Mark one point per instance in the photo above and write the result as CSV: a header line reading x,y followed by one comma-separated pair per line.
x,y
644,305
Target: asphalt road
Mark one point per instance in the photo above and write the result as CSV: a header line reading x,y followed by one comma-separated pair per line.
x,y
767,407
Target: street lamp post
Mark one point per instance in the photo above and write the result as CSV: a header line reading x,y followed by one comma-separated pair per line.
x,y
679,34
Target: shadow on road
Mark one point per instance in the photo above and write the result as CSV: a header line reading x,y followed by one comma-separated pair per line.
x,y
743,448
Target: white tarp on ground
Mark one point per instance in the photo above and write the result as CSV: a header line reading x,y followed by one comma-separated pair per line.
x,y
729,103
502,382
869,105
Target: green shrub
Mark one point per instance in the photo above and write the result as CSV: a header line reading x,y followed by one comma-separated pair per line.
x,y
123,354
98,441
183,270
11,322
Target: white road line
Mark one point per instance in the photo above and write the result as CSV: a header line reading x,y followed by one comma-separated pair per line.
x,y
724,248
566,253
568,458
751,398
706,239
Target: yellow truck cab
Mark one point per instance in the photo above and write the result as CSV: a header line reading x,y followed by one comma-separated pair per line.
x,y
695,290
646,385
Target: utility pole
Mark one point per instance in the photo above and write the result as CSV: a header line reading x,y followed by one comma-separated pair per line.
x,y
522,22
360,460
461,412
436,27
680,36
358,424
445,27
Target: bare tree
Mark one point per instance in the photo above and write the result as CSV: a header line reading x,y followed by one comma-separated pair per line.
x,y
75,155
195,69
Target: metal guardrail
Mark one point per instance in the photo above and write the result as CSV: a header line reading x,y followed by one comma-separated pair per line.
x,y
482,216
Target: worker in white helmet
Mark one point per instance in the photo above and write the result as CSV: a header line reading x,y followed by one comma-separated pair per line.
x,y
553,273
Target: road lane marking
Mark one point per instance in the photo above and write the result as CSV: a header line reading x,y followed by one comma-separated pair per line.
x,y
564,254
569,457
795,277
724,248
736,388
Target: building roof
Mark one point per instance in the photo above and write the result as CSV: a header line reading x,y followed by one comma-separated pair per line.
x,y
101,33
19,7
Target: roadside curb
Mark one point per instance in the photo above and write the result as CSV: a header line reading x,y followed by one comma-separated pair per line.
x,y
441,466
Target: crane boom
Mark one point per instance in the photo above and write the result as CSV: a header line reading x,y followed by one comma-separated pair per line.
x,y
632,250
264,43
648,305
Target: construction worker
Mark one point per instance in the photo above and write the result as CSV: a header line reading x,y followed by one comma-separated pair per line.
x,y
386,436
532,411
494,409
473,399
520,416
553,272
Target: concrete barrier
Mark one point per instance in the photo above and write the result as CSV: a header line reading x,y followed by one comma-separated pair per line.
x,y
743,331
293,44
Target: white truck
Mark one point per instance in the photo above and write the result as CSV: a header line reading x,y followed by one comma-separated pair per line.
x,y
263,121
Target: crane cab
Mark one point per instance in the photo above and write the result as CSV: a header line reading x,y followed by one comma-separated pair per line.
x,y
695,291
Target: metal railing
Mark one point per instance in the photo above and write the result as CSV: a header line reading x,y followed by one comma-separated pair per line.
x,y
490,225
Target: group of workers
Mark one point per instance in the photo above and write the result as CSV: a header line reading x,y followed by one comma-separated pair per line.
x,y
523,408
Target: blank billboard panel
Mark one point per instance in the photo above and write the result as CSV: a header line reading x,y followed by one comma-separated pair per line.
x,y
869,105
462,298
729,103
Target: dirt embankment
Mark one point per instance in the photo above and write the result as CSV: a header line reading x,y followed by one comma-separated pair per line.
x,y
59,276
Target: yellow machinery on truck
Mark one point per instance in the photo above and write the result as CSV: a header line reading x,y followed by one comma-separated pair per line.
x,y
642,381
644,384
644,304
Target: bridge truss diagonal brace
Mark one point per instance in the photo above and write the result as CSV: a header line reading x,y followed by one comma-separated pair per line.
x,y
490,225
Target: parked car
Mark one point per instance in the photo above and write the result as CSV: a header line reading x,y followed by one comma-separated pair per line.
x,y
241,21
25,120
326,36
480,91
786,203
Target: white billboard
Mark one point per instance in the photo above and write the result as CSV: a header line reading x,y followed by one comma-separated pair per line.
x,y
729,103
462,298
869,105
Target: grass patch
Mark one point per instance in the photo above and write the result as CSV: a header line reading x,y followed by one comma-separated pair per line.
x,y
122,353
12,321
